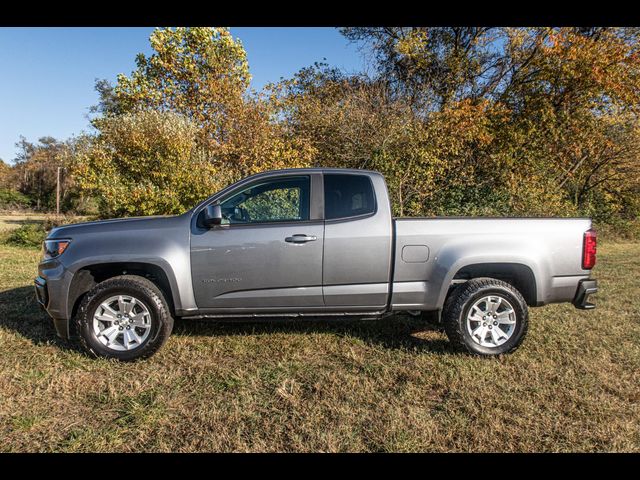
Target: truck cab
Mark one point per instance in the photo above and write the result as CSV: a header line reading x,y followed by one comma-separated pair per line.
x,y
319,241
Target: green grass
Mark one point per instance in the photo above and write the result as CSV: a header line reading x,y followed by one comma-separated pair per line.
x,y
335,385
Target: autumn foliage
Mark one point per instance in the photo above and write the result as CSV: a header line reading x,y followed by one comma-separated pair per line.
x,y
462,121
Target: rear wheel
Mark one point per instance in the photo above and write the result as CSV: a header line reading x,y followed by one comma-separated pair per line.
x,y
486,316
124,317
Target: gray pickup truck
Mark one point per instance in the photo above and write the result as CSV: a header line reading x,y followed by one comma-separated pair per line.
x,y
309,242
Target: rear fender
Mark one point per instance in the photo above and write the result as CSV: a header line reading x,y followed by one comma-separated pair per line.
x,y
456,256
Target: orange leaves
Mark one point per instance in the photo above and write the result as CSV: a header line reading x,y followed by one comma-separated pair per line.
x,y
594,65
461,125
460,120
201,76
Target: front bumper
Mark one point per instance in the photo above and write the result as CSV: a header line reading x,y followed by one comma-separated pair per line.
x,y
585,288
42,295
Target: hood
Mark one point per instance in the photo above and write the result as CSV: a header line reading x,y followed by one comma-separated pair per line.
x,y
114,225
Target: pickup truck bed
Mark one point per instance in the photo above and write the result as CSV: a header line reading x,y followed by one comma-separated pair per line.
x,y
542,255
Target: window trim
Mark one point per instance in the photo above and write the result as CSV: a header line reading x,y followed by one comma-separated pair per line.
x,y
352,217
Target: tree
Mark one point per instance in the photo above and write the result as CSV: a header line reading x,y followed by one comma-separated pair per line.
x,y
145,163
36,169
202,75
6,175
108,103
553,101
461,120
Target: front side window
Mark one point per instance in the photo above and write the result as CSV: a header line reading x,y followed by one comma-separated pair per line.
x,y
347,196
278,200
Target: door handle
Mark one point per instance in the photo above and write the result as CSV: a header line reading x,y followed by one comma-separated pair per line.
x,y
300,238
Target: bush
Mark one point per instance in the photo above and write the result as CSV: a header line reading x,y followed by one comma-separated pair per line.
x,y
28,235
53,221
81,204
12,199
144,164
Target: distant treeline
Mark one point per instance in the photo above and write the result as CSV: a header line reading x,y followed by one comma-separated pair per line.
x,y
461,121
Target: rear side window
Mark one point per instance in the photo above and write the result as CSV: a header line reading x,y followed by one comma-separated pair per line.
x,y
347,196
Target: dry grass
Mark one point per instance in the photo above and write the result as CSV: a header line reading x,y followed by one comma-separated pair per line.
x,y
339,385
9,221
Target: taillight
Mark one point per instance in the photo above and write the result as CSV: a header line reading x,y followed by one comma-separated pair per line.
x,y
589,249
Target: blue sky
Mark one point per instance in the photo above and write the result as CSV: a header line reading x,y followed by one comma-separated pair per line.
x,y
48,74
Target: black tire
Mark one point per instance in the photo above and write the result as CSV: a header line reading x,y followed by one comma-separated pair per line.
x,y
131,285
461,300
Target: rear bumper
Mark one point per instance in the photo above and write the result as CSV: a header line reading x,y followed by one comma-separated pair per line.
x,y
585,288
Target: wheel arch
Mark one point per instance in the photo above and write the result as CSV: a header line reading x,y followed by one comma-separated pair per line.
x,y
520,275
88,276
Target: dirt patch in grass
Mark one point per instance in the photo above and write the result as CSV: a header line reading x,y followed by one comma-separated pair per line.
x,y
330,385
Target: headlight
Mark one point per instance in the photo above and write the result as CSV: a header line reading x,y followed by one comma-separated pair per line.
x,y
55,248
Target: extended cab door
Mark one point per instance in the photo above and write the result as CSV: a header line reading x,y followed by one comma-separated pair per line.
x,y
357,244
268,252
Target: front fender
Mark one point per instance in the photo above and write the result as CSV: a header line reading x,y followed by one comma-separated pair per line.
x,y
167,249
158,262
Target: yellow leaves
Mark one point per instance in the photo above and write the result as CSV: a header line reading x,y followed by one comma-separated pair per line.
x,y
200,72
444,146
146,163
412,44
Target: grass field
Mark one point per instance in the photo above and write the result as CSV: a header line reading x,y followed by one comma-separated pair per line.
x,y
338,385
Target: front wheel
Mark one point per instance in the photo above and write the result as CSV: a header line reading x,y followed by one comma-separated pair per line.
x,y
486,316
125,317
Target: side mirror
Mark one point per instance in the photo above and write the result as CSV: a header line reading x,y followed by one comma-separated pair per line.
x,y
212,215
